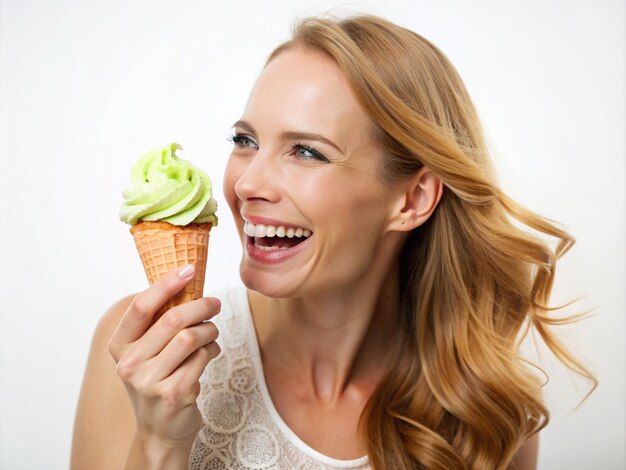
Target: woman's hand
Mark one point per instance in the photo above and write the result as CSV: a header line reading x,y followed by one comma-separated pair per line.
x,y
160,365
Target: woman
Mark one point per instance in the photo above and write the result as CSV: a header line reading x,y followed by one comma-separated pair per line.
x,y
384,334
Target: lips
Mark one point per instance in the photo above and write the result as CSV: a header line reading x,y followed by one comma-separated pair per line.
x,y
271,241
274,254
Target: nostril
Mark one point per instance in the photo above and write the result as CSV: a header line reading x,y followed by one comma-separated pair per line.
x,y
258,181
254,193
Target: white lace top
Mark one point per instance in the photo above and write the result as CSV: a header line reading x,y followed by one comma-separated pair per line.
x,y
242,429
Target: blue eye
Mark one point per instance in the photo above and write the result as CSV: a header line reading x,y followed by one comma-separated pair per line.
x,y
308,153
241,140
303,151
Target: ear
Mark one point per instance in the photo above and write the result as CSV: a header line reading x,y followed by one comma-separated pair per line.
x,y
417,201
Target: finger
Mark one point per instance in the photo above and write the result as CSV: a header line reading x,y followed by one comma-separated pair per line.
x,y
183,345
138,316
182,386
175,320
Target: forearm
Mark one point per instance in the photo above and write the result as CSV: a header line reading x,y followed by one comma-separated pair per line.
x,y
146,456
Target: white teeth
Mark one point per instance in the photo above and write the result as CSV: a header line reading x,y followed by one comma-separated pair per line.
x,y
270,248
261,231
248,229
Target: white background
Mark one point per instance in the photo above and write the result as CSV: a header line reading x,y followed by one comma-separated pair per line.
x,y
88,86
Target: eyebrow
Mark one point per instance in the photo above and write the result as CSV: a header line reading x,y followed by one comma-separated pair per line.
x,y
292,135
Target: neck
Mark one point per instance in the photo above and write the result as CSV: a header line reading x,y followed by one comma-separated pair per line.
x,y
331,344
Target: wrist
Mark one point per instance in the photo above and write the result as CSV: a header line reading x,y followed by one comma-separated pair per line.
x,y
151,454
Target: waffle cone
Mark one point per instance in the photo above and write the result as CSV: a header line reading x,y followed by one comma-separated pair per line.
x,y
163,246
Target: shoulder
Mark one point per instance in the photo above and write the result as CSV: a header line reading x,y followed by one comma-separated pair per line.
x,y
111,318
526,456
104,423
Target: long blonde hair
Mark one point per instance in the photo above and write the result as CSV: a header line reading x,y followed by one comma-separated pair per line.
x,y
459,394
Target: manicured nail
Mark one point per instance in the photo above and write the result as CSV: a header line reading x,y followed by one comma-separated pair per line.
x,y
186,271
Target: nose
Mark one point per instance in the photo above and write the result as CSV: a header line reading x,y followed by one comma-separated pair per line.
x,y
258,182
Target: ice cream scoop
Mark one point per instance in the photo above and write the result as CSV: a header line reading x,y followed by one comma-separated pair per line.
x,y
168,188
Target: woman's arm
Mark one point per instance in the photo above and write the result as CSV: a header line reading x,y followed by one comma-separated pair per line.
x,y
526,457
137,408
104,426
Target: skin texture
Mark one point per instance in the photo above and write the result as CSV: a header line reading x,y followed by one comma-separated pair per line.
x,y
324,318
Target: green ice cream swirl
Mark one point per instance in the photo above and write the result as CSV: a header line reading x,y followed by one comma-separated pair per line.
x,y
169,189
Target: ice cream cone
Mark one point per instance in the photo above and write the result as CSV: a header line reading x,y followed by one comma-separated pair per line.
x,y
163,246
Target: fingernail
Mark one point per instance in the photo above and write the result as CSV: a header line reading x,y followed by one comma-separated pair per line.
x,y
216,302
186,271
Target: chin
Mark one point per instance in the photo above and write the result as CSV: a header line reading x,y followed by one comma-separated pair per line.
x,y
276,285
262,283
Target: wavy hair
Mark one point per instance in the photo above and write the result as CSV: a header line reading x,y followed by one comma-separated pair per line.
x,y
459,394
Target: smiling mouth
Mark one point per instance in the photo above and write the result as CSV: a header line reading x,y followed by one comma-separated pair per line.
x,y
271,238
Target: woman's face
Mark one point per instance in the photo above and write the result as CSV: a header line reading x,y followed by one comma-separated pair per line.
x,y
279,175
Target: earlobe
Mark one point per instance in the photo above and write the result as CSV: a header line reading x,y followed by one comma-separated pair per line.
x,y
420,197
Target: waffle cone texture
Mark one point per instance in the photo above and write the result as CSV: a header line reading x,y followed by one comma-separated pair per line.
x,y
163,246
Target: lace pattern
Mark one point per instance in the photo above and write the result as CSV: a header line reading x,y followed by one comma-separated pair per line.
x,y
242,429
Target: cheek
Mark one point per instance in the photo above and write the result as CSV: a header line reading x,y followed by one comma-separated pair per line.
x,y
358,203
355,215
